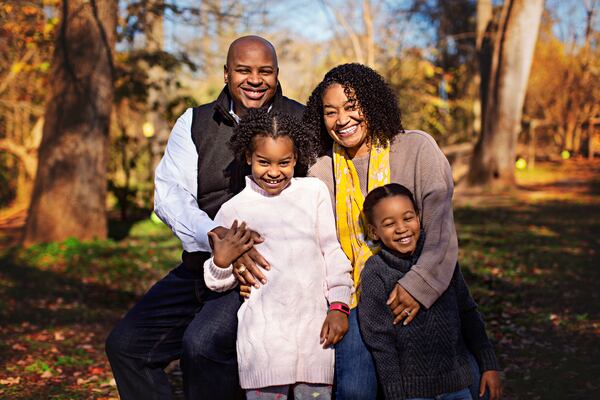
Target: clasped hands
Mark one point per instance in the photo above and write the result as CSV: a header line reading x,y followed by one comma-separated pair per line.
x,y
235,246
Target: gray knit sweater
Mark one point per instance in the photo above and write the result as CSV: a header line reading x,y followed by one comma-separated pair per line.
x,y
417,162
429,356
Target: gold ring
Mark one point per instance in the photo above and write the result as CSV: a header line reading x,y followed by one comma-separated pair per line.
x,y
241,269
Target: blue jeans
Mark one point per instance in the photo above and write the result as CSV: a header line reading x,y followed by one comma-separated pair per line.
x,y
464,394
355,376
178,318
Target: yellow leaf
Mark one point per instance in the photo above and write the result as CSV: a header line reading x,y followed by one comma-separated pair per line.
x,y
16,67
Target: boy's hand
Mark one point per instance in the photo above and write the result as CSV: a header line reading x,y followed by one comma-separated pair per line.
x,y
403,305
227,248
334,328
490,380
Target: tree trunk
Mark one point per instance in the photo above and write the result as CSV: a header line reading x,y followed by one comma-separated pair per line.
x,y
493,160
69,193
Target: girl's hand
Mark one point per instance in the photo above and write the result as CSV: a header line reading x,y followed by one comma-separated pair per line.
x,y
490,380
403,305
334,328
227,248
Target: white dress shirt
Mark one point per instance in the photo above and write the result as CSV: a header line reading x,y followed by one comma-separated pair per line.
x,y
176,188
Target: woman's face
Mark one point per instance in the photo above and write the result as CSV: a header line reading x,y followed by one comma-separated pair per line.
x,y
344,121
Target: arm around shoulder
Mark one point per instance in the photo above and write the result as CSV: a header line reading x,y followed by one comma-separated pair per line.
x,y
434,187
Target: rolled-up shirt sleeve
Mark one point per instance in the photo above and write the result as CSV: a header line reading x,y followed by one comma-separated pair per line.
x,y
175,188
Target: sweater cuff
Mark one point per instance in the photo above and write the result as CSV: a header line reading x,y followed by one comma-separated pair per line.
x,y
218,279
419,288
339,294
486,358
394,391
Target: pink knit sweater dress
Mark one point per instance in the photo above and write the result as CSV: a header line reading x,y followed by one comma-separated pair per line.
x,y
279,325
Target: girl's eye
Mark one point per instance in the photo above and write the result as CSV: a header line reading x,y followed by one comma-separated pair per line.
x,y
284,163
264,163
389,225
329,113
408,219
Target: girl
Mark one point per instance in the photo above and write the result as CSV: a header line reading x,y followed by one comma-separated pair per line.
x,y
428,358
285,331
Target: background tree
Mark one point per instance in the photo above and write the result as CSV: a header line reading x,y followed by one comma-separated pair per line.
x,y
69,197
493,160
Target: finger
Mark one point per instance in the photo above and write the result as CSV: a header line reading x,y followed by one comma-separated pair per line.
x,y
323,334
257,258
246,236
413,314
392,297
213,237
482,388
256,237
399,315
239,277
397,311
245,291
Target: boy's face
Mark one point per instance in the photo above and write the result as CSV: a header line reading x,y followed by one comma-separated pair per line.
x,y
396,224
272,163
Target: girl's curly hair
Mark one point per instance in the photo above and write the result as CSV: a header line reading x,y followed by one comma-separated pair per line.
x,y
376,100
260,122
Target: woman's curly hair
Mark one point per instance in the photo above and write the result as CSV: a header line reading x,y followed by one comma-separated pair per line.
x,y
376,100
261,122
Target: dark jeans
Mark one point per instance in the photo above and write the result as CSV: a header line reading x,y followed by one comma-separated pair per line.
x,y
179,318
355,376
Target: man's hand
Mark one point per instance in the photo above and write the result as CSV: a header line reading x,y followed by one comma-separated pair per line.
x,y
334,328
247,268
403,305
490,380
227,248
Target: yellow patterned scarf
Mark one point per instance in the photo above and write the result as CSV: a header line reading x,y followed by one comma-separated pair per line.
x,y
350,221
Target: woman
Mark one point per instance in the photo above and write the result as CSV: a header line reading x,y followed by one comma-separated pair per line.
x,y
363,146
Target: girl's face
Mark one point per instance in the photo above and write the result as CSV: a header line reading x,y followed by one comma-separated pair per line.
x,y
396,224
272,163
344,121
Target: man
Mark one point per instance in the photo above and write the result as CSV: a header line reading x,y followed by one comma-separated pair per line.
x,y
179,318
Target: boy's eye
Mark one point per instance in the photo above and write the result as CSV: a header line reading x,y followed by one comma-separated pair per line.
x,y
407,219
388,225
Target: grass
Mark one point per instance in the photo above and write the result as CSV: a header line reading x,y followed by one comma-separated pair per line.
x,y
530,258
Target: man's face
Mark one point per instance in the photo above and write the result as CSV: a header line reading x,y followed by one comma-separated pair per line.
x,y
251,75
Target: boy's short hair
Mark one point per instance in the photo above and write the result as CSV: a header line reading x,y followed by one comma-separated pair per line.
x,y
383,192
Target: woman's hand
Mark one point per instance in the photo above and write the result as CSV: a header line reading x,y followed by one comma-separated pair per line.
x,y
403,305
230,244
490,380
334,328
